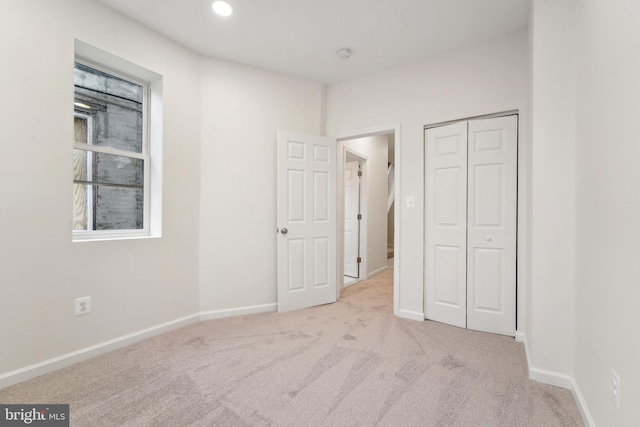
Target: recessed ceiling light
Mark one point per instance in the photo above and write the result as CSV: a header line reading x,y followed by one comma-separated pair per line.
x,y
222,8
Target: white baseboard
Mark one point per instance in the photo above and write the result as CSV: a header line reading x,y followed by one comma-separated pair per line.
x,y
545,376
558,379
412,315
28,372
378,271
32,371
582,404
241,311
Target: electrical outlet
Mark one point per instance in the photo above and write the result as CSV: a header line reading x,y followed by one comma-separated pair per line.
x,y
83,305
614,386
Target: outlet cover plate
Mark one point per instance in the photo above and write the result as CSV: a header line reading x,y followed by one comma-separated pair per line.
x,y
83,305
615,388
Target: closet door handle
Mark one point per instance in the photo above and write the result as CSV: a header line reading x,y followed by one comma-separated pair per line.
x,y
488,238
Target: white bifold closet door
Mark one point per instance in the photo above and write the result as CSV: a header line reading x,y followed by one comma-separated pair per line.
x,y
470,242
446,229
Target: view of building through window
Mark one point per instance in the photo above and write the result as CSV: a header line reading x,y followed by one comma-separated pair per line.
x,y
110,152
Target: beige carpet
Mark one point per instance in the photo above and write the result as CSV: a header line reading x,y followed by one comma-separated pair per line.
x,y
346,364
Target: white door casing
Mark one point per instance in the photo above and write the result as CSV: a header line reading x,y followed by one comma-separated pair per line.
x,y
491,230
351,222
471,179
446,223
306,220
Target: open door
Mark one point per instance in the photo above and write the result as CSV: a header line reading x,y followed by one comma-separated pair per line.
x,y
351,220
306,215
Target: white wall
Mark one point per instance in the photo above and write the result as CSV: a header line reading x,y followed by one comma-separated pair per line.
x,y
484,78
375,149
242,109
608,208
218,246
550,309
586,203
134,284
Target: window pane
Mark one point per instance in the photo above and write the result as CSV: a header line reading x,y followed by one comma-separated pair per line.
x,y
102,168
80,167
103,207
108,189
119,127
80,129
81,209
103,82
115,106
118,208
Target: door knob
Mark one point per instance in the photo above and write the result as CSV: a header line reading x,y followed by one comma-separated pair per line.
x,y
284,230
488,238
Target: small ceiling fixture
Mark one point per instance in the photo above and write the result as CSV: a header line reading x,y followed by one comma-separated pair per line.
x,y
222,8
344,53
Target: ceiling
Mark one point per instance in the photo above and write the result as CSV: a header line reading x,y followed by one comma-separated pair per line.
x,y
301,37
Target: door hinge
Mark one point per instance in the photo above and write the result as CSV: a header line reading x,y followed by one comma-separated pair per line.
x,y
359,173
359,216
359,260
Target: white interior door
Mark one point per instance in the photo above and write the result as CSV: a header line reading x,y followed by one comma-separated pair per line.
x,y
306,215
351,222
491,230
446,224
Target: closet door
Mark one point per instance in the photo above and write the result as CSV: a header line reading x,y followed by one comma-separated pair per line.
x,y
446,224
491,237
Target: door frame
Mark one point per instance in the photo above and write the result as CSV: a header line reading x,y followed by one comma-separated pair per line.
x,y
364,198
373,131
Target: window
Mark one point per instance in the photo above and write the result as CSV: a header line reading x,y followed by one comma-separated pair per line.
x,y
111,156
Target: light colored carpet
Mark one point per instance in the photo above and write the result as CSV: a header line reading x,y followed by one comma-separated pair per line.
x,y
346,364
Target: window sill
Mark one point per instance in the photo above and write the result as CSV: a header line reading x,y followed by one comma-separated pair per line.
x,y
101,236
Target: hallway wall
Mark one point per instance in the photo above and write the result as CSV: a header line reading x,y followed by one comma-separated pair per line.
x,y
374,148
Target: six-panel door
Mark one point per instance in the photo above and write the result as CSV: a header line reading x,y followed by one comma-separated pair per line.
x,y
306,220
470,229
446,224
491,229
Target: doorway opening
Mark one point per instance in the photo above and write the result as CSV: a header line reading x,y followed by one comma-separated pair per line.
x,y
373,150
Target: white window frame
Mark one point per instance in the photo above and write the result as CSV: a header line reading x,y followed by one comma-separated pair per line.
x,y
151,154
